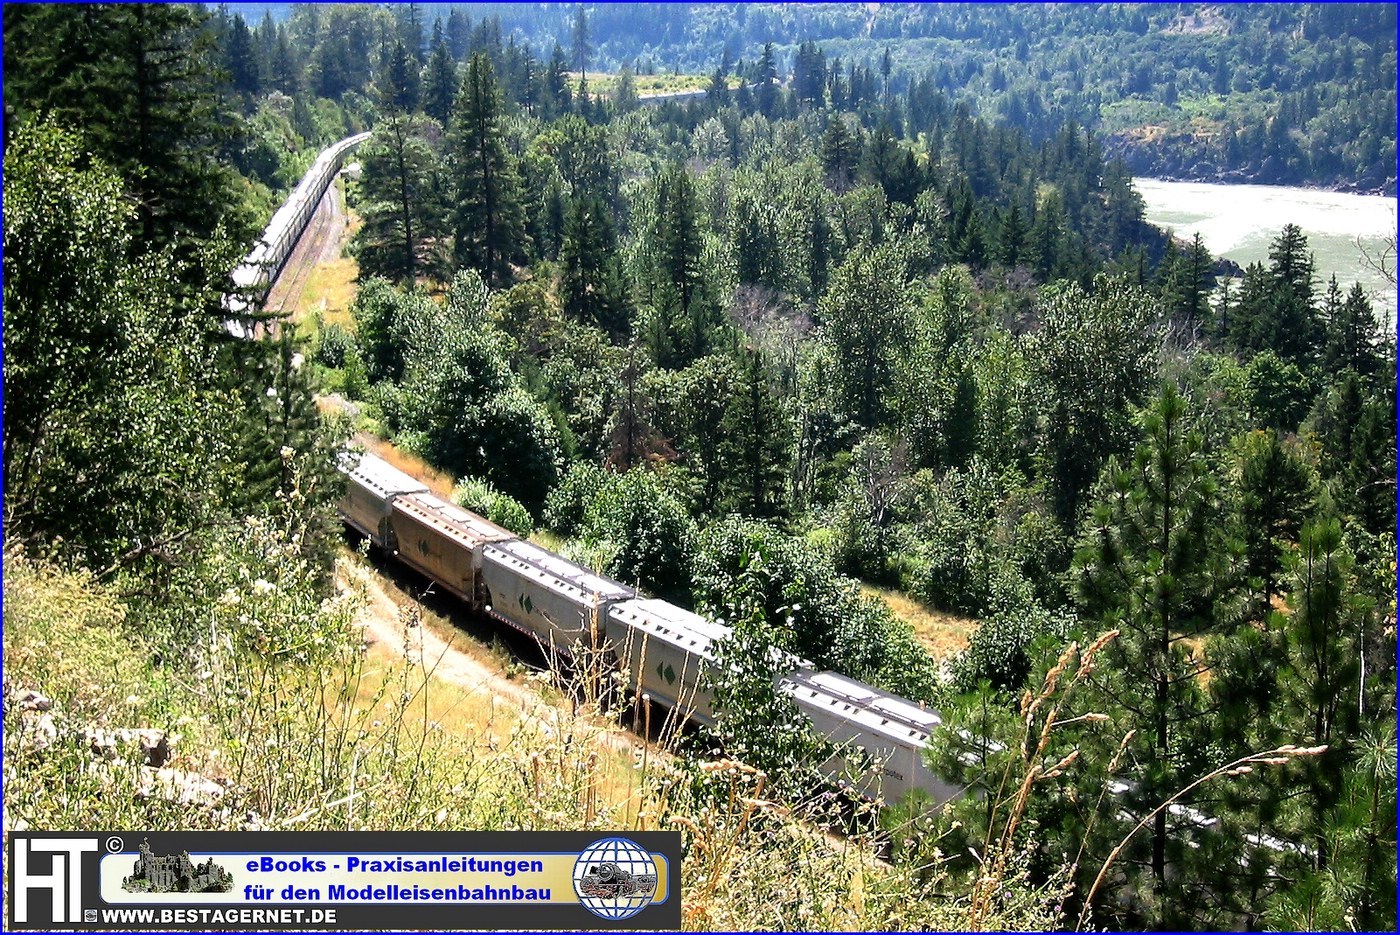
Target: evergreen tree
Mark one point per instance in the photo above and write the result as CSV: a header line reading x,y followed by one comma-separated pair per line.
x,y
809,74
675,283
582,52
632,435
1011,238
1323,694
757,442
402,81
140,80
838,155
1187,282
557,99
625,99
1351,334
405,209
766,77
440,83
490,223
244,68
1291,265
592,287
1144,568
1276,489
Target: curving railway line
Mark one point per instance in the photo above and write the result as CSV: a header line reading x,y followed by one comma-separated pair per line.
x,y
659,650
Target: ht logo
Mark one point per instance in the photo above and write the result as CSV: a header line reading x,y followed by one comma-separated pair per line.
x,y
65,876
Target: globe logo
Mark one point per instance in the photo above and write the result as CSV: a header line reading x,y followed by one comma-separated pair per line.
x,y
615,878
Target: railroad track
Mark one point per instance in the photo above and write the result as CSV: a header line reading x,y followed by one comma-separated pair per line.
x,y
322,237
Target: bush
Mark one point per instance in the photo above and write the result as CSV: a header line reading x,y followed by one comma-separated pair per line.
x,y
334,346
1003,650
652,535
479,496
566,504
815,612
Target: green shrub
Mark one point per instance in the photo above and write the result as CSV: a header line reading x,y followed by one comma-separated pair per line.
x,y
334,345
566,504
652,534
477,495
1003,650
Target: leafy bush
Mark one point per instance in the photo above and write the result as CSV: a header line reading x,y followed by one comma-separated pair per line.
x,y
477,495
815,612
1003,650
334,346
566,504
653,537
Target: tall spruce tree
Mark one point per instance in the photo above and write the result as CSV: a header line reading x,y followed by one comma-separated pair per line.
x,y
490,223
405,201
757,445
140,81
440,83
592,286
1276,488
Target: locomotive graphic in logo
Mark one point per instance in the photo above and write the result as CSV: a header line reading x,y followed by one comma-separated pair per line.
x,y
615,878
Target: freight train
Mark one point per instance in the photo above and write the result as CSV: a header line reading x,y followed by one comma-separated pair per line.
x,y
255,275
659,649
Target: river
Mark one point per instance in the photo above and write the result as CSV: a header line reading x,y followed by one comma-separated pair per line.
x,y
1239,221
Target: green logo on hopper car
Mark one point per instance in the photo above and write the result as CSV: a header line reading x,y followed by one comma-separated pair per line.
x,y
526,603
665,671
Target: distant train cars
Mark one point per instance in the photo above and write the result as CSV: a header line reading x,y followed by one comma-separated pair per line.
x,y
255,275
662,650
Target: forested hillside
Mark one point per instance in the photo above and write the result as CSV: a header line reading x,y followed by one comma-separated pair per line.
x,y
846,319
1271,93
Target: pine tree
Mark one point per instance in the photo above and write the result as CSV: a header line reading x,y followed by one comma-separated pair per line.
x,y
1187,282
557,98
1276,489
405,210
592,287
766,77
625,99
1351,334
676,283
140,80
757,442
1144,568
582,43
838,155
1321,638
1011,238
401,82
440,83
244,67
490,223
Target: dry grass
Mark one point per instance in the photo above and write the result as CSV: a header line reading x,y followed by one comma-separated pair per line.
x,y
646,85
329,291
439,482
942,634
332,285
